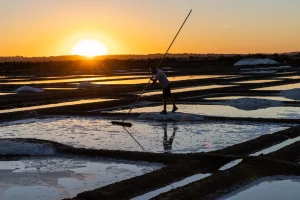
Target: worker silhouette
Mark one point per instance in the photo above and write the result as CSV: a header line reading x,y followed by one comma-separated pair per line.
x,y
168,143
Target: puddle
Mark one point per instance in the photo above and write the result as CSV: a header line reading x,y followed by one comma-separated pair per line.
x,y
58,178
175,78
172,186
271,188
69,80
177,137
227,111
189,89
276,98
281,87
231,164
258,81
53,105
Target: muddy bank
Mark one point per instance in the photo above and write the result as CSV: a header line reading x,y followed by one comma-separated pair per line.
x,y
262,142
224,182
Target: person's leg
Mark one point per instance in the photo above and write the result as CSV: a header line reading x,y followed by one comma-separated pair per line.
x,y
172,100
165,102
170,96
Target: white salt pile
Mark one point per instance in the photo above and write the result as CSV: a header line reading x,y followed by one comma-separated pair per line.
x,y
28,89
252,103
255,61
291,94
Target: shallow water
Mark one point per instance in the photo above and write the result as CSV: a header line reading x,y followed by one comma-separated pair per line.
x,y
98,133
227,111
272,188
58,178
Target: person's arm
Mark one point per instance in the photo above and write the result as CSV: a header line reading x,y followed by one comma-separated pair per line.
x,y
153,81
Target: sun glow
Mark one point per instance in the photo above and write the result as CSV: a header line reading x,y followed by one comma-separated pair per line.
x,y
89,48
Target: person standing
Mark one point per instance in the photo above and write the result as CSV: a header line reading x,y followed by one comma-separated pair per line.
x,y
159,75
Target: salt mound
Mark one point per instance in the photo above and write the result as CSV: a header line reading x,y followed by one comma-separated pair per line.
x,y
28,89
253,61
291,94
170,117
84,85
11,147
252,103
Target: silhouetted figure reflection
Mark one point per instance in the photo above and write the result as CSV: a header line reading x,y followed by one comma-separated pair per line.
x,y
168,143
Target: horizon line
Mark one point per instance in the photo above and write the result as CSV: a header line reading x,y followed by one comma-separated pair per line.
x,y
20,56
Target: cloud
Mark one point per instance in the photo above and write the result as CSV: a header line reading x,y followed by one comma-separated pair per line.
x,y
225,26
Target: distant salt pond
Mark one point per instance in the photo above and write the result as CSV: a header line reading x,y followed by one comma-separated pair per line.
x,y
281,87
172,78
271,188
276,98
68,80
57,178
150,136
258,81
53,105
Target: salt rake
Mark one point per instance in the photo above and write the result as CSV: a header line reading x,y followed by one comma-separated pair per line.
x,y
127,124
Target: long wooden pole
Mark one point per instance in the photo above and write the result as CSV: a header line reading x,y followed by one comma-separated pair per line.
x,y
157,67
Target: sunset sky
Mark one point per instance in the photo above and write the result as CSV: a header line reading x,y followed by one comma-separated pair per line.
x,y
53,27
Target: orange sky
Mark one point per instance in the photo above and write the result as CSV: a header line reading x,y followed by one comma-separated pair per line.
x,y
53,27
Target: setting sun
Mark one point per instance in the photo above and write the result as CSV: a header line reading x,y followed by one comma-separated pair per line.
x,y
89,48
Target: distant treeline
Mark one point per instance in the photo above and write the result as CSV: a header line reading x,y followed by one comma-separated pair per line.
x,y
109,65
137,57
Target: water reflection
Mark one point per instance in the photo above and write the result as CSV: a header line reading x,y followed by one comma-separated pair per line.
x,y
167,143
